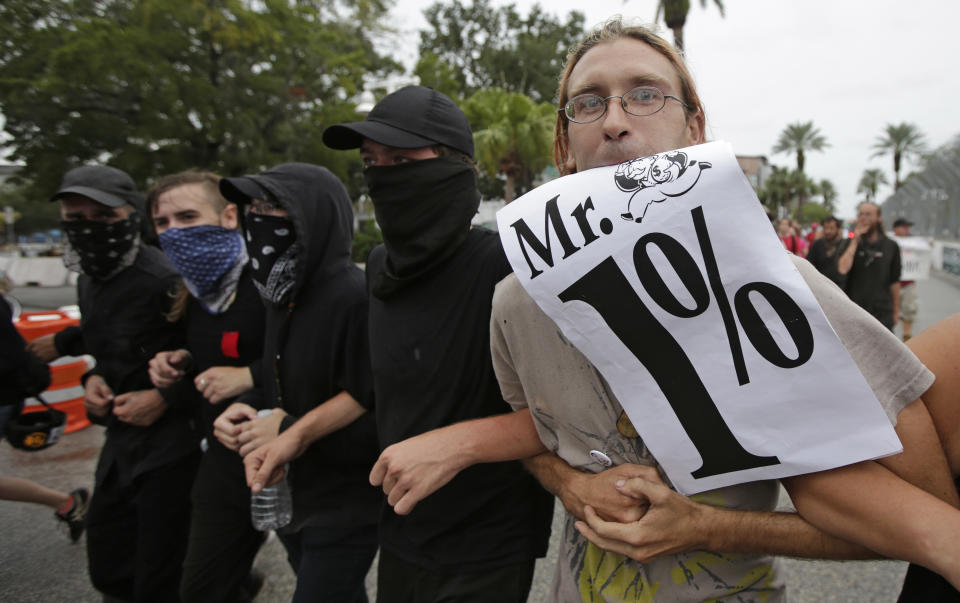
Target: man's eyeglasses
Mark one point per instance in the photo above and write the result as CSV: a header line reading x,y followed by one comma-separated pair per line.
x,y
641,101
264,208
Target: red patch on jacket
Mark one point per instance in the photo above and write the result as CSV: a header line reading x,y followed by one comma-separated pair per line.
x,y
229,344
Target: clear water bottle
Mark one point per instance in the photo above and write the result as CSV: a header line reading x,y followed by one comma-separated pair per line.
x,y
271,508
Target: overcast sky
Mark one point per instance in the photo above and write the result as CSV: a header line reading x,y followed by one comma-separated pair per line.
x,y
851,66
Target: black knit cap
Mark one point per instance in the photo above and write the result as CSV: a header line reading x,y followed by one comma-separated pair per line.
x,y
410,118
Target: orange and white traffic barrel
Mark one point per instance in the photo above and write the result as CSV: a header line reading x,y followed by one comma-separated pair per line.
x,y
65,392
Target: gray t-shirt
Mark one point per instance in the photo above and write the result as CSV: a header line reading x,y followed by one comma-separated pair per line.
x,y
575,413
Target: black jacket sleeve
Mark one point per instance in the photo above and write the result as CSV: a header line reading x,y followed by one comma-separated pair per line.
x,y
69,342
21,373
354,373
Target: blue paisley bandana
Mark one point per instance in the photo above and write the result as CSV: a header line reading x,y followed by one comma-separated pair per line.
x,y
203,255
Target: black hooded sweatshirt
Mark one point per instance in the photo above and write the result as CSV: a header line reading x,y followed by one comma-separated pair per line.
x,y
316,346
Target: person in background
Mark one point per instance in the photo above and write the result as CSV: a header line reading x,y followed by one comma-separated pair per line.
x,y
139,515
790,238
826,250
315,376
871,266
909,300
815,232
199,231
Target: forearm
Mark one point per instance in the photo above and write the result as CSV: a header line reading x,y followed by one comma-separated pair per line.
x,y
333,415
845,261
551,471
868,504
508,437
923,462
775,533
895,296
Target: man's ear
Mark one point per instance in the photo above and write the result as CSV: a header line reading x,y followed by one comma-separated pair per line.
x,y
696,129
229,217
569,163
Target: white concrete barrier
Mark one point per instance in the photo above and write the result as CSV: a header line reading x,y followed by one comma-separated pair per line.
x,y
43,272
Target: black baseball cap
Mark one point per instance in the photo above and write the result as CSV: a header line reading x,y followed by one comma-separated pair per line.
x,y
241,190
902,222
410,118
104,184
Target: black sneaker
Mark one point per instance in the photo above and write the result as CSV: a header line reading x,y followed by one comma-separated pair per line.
x,y
74,518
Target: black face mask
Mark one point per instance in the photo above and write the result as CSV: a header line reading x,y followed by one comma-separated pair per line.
x,y
101,249
271,245
424,210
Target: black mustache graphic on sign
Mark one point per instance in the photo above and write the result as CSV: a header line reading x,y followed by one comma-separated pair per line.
x,y
657,177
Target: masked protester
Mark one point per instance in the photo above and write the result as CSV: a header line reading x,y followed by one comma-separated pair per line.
x,y
315,376
199,231
432,282
139,514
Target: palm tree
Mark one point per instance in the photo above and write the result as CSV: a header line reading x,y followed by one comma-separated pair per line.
x,y
783,185
675,16
513,135
798,138
829,194
902,140
870,181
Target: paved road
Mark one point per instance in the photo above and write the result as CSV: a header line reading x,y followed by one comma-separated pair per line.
x,y
38,564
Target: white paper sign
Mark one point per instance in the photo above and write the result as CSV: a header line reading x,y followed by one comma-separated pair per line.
x,y
916,255
665,272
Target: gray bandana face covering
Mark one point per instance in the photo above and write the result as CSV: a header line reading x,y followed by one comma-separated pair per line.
x,y
101,249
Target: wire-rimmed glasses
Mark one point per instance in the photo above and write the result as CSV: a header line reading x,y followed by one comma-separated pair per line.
x,y
641,101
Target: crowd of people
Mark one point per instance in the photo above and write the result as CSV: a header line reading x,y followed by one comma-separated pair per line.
x,y
866,264
428,408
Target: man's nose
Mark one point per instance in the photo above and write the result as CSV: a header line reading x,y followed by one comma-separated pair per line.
x,y
616,121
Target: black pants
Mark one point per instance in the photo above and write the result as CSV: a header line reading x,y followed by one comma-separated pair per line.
x,y
137,532
921,585
223,543
331,563
399,581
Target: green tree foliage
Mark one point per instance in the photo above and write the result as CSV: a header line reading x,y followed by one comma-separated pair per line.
x,y
813,212
513,136
828,192
799,138
365,239
870,183
674,13
783,186
30,214
471,47
157,86
903,140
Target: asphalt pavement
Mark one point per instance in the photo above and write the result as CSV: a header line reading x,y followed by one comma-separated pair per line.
x,y
38,564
